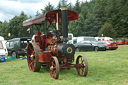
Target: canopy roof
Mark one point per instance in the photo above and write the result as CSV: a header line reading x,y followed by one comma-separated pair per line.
x,y
50,17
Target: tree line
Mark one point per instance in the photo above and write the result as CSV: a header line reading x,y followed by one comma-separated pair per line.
x,y
96,18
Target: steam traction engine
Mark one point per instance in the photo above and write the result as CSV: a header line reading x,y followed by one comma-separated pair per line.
x,y
51,49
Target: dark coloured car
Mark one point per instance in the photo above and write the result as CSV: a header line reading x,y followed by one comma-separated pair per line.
x,y
103,43
17,46
90,46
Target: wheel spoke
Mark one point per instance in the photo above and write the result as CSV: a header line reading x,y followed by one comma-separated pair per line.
x,y
81,59
53,64
54,73
82,62
32,57
83,65
31,65
82,68
30,49
54,68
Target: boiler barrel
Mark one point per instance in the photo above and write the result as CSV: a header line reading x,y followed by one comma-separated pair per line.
x,y
66,50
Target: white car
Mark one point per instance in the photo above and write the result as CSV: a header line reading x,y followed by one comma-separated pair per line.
x,y
3,49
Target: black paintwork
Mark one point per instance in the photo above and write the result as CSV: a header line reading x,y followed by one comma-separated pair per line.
x,y
89,46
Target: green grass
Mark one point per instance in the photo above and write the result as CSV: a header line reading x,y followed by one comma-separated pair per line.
x,y
104,68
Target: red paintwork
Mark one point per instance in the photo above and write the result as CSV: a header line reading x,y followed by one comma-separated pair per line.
x,y
126,42
112,45
49,42
72,15
39,38
53,48
45,47
120,42
44,56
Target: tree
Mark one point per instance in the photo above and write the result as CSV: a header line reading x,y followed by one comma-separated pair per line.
x,y
3,29
70,7
37,13
0,22
77,7
58,6
47,8
84,11
107,30
77,27
100,13
108,17
16,26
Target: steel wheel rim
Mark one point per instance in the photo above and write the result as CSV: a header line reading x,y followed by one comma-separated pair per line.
x,y
31,57
54,68
82,66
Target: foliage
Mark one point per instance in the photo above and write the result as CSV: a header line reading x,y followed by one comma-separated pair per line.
x,y
76,27
93,16
97,12
16,28
3,29
77,7
47,8
107,30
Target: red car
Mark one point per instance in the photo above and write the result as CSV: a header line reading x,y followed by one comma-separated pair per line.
x,y
126,42
112,45
120,42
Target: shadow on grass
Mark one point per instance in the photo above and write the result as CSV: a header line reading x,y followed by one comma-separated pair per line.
x,y
44,70
62,71
63,74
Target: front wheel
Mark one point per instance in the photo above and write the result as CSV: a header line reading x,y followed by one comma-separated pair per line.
x,y
14,54
96,49
54,68
81,65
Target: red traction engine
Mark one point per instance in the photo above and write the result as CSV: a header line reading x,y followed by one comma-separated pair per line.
x,y
51,49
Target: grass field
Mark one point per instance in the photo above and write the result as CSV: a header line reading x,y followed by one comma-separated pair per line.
x,y
105,68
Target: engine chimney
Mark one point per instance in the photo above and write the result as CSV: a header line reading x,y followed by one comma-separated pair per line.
x,y
64,22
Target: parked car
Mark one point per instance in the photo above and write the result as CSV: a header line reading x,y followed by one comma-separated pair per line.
x,y
103,43
120,42
112,45
126,42
17,46
85,38
3,48
89,46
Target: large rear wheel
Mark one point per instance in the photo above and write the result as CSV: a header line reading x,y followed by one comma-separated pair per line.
x,y
32,57
82,65
54,68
